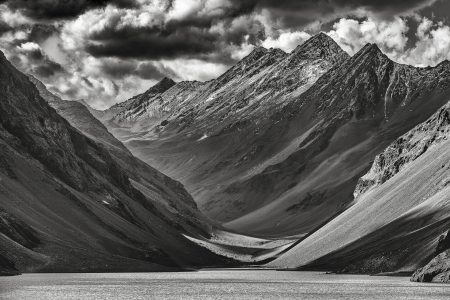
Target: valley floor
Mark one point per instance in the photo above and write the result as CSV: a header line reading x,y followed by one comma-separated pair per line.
x,y
217,284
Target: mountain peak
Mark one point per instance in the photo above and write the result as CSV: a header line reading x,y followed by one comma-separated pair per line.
x,y
371,47
370,51
256,54
276,51
443,64
82,101
322,36
319,40
258,49
165,80
162,86
320,46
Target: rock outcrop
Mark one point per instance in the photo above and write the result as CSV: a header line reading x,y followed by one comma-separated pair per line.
x,y
438,270
443,244
406,149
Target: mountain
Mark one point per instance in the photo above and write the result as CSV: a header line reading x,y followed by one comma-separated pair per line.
x,y
348,116
212,136
76,203
401,210
276,145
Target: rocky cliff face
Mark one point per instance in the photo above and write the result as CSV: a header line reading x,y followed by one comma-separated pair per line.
x,y
438,270
443,244
405,150
76,203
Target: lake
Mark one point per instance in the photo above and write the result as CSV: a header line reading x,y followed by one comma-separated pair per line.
x,y
216,284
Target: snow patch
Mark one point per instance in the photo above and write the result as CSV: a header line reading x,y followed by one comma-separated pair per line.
x,y
202,138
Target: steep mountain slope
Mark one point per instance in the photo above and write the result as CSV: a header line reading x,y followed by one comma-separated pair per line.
x,y
350,114
215,134
401,210
146,179
67,205
276,145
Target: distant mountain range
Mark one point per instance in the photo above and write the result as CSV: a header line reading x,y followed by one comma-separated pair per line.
x,y
260,147
348,155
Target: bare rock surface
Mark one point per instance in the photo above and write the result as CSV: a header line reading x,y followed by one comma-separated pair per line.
x,y
437,270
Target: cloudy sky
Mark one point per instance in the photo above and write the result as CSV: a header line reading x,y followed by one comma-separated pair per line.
x,y
106,51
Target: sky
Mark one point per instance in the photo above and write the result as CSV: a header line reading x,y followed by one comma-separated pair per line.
x,y
106,51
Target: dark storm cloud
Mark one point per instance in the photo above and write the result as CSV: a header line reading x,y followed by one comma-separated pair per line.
x,y
61,9
150,71
88,82
190,37
41,66
118,69
324,7
35,54
141,44
46,70
145,70
4,28
40,33
187,38
298,13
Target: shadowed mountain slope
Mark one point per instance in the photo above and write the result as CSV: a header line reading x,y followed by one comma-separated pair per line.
x,y
144,177
67,204
401,210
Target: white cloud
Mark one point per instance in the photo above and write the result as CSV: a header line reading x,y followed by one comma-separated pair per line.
x,y
286,41
431,48
390,36
29,46
193,69
12,18
433,44
184,8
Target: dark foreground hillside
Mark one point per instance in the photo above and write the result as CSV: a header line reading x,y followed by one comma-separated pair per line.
x,y
68,204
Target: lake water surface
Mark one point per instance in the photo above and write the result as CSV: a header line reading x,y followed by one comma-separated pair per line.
x,y
216,284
